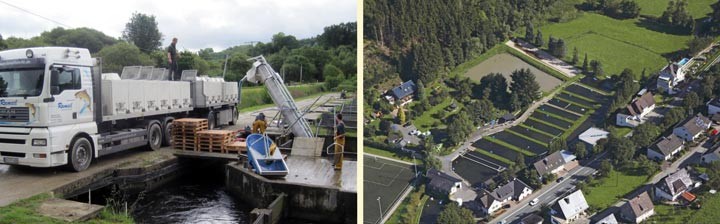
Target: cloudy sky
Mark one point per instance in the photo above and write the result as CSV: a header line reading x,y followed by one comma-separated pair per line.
x,y
197,24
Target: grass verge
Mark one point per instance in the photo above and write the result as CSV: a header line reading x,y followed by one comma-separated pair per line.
x,y
25,211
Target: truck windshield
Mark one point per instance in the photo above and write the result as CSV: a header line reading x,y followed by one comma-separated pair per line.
x,y
21,82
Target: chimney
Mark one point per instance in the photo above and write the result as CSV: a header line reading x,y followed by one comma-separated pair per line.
x,y
567,200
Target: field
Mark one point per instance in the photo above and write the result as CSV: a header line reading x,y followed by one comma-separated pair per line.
x,y
252,97
386,180
505,64
618,44
613,187
697,8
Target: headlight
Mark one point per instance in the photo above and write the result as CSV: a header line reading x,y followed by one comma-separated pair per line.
x,y
39,142
29,53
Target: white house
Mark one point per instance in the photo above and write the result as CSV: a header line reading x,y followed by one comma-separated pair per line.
x,y
671,76
638,208
554,163
673,185
610,219
713,106
691,128
665,148
569,208
636,111
515,190
442,183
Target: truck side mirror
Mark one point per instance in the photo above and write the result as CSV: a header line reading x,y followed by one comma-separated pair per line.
x,y
54,78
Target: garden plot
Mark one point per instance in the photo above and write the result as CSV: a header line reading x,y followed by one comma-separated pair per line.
x,y
559,112
552,120
587,93
485,160
576,100
543,127
568,106
505,64
471,171
497,149
520,142
532,134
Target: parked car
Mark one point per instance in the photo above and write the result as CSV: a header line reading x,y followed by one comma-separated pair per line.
x,y
560,179
534,202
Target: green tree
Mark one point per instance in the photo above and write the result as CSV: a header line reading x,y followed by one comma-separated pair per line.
x,y
525,87
333,76
3,45
420,90
585,65
453,214
645,133
605,168
88,38
674,115
691,101
142,30
715,17
529,32
122,54
339,34
411,211
401,115
580,150
575,58
498,89
677,14
459,127
623,150
539,41
697,44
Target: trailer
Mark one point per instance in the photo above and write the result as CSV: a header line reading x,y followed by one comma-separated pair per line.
x,y
57,108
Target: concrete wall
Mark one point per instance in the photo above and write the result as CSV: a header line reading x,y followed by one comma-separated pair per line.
x,y
306,202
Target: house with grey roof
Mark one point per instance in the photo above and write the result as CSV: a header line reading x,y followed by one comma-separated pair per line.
x,y
665,148
488,203
673,185
638,208
404,92
442,183
691,128
670,76
568,209
515,190
713,106
635,112
610,219
554,162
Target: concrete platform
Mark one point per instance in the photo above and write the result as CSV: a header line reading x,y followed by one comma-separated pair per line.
x,y
319,171
69,211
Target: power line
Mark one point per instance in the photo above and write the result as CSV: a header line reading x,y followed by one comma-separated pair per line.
x,y
35,14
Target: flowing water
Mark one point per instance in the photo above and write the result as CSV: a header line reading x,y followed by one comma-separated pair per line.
x,y
193,198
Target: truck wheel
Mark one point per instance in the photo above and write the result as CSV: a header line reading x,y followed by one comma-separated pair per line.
x,y
234,119
211,120
167,134
80,155
154,137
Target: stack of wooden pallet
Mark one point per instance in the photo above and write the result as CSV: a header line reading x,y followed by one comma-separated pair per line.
x,y
184,132
239,147
214,140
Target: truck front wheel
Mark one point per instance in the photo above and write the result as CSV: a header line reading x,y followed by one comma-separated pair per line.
x,y
167,134
80,155
155,137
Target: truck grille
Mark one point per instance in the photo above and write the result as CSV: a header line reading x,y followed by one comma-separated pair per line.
x,y
15,114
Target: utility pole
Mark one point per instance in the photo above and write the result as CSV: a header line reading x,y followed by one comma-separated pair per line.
x,y
225,67
300,73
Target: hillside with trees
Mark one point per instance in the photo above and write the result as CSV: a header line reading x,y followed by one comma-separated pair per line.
x,y
329,57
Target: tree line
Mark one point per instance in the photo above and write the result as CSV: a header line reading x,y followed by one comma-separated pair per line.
x,y
329,57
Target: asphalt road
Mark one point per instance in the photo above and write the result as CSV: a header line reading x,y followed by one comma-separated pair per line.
x,y
550,193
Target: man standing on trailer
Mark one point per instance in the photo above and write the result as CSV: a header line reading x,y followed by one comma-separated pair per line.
x,y
172,60
260,124
339,141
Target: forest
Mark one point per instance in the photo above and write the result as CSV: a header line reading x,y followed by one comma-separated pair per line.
x,y
329,57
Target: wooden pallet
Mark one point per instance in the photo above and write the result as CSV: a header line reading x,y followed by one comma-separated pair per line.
x,y
214,140
239,147
184,132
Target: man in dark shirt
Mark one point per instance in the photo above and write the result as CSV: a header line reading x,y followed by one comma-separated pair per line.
x,y
172,60
339,141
